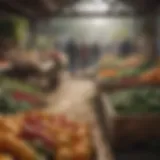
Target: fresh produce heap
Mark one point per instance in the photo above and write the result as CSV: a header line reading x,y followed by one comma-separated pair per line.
x,y
10,103
152,76
114,76
133,101
109,64
146,74
108,73
13,84
142,76
39,135
137,70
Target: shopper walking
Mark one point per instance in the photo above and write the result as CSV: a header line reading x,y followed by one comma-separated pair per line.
x,y
71,50
95,53
125,48
84,55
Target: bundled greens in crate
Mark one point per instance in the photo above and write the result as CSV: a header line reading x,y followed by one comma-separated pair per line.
x,y
10,105
13,84
137,100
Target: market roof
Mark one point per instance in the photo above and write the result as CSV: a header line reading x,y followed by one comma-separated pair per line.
x,y
114,8
34,8
143,6
46,8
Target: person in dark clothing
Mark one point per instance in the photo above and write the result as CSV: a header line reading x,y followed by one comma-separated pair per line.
x,y
125,48
71,50
95,53
84,55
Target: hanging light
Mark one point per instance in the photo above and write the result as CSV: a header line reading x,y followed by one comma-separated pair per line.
x,y
96,6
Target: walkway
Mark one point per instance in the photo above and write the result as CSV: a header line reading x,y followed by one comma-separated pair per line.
x,y
74,99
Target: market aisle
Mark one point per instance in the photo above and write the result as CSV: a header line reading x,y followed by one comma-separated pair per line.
x,y
74,99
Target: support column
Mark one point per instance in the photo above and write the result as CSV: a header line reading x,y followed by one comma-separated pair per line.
x,y
32,33
150,33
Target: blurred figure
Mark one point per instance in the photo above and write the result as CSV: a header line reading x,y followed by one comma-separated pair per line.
x,y
71,50
96,51
125,48
84,55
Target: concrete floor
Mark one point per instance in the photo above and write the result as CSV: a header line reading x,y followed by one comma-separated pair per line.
x,y
74,99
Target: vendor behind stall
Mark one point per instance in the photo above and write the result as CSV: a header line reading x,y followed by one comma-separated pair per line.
x,y
126,48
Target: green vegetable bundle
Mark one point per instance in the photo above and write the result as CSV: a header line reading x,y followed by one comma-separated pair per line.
x,y
9,105
137,71
12,84
145,100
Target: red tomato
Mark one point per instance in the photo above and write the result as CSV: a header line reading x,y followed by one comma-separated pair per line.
x,y
30,132
33,119
19,96
36,132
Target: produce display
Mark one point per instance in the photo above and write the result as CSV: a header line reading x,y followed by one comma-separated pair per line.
x,y
131,71
125,76
147,74
108,73
133,101
116,67
11,104
13,84
39,135
113,61
23,96
136,71
151,76
13,101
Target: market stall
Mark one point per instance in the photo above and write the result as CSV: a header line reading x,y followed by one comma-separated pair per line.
x,y
34,71
29,131
128,109
60,132
41,134
32,137
127,99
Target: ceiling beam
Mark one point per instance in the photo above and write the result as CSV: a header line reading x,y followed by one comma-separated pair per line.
x,y
17,8
50,5
91,15
36,8
146,6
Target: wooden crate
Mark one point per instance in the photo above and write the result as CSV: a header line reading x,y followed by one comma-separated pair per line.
x,y
126,130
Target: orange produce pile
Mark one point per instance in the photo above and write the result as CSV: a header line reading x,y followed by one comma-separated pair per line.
x,y
70,139
152,76
107,73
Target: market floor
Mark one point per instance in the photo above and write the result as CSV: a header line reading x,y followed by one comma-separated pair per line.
x,y
74,99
